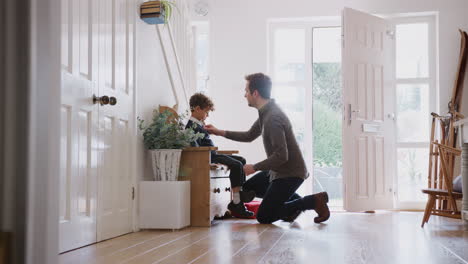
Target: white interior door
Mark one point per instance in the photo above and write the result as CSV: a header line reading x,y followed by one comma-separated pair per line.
x,y
369,102
97,59
116,75
79,117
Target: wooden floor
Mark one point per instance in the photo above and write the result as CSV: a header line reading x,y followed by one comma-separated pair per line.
x,y
383,237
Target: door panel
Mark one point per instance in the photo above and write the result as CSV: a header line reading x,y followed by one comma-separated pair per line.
x,y
65,163
361,85
369,130
378,93
379,167
362,169
84,162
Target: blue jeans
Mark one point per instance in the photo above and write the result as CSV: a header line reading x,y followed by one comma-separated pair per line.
x,y
279,196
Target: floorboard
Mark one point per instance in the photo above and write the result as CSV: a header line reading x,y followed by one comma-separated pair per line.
x,y
383,237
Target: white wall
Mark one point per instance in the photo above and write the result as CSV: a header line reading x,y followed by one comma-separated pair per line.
x,y
153,86
239,42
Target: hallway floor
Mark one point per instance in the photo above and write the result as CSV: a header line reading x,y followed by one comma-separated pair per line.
x,y
383,237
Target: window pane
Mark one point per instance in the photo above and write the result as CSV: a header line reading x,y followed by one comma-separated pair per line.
x,y
327,116
289,55
327,45
412,51
412,173
413,112
201,57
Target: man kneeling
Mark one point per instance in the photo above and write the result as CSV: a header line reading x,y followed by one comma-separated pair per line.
x,y
284,169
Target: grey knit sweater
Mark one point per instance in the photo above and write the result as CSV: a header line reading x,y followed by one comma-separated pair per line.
x,y
284,158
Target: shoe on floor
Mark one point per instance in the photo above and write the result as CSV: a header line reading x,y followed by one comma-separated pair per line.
x,y
321,207
293,217
239,210
246,196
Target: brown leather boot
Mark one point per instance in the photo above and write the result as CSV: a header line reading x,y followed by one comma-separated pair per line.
x,y
321,207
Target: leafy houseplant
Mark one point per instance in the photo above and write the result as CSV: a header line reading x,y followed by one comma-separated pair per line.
x,y
165,137
166,132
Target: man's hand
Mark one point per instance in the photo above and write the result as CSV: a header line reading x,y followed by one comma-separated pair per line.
x,y
213,130
249,169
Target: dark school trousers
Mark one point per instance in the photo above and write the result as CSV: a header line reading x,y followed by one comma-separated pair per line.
x,y
279,196
235,165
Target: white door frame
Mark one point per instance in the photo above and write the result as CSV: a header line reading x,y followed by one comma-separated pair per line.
x,y
432,81
38,187
31,128
28,92
44,125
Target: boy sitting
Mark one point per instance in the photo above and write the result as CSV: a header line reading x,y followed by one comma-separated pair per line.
x,y
200,106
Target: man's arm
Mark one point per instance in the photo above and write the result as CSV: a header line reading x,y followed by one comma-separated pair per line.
x,y
254,132
277,139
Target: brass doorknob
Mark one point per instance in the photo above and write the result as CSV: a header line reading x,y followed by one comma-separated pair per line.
x,y
113,100
103,100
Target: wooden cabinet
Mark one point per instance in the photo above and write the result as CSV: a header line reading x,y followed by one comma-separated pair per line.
x,y
210,188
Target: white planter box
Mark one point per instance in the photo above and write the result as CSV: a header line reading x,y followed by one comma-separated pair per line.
x,y
164,204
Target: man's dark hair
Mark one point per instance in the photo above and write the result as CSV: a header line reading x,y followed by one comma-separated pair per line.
x,y
260,82
202,101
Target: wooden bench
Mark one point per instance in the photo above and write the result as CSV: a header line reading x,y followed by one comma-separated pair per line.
x,y
210,188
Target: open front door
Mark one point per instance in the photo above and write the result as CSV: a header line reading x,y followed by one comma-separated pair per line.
x,y
369,102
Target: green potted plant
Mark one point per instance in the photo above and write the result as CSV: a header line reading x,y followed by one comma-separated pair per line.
x,y
165,137
157,12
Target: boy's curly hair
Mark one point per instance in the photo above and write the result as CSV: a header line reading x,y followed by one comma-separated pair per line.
x,y
202,101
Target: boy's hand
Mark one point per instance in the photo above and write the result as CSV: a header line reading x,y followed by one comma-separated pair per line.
x,y
213,130
248,169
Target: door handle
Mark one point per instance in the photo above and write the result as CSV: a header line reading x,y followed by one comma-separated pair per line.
x,y
112,100
350,113
104,100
